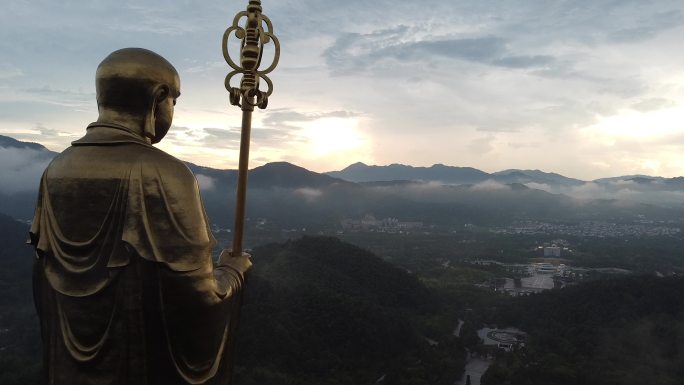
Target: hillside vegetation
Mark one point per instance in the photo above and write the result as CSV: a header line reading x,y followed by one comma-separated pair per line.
x,y
321,311
609,332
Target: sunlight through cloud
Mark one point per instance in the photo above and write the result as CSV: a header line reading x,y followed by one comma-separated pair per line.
x,y
640,125
329,136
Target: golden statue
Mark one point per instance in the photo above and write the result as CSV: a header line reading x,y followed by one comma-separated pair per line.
x,y
124,282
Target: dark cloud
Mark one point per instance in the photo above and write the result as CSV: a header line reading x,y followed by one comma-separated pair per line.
x,y
648,27
355,52
283,117
460,67
481,49
263,135
525,61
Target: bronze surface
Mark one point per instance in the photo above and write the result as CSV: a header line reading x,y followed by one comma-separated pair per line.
x,y
124,283
257,32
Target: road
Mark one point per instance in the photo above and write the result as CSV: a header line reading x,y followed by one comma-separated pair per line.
x,y
476,368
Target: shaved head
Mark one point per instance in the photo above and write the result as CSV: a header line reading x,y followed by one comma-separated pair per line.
x,y
127,78
137,88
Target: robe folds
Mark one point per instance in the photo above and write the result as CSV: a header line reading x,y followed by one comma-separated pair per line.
x,y
124,283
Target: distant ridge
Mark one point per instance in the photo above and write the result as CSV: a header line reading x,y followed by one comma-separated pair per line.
x,y
9,142
296,197
360,172
272,175
288,175
534,176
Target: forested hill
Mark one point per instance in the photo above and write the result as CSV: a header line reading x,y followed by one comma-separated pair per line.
x,y
19,336
609,332
321,311
317,311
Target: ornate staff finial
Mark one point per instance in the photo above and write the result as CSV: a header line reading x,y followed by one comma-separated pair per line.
x,y
257,32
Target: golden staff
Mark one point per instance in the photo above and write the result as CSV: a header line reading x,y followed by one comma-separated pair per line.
x,y
257,32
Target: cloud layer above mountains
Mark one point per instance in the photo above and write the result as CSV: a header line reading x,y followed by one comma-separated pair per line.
x,y
587,89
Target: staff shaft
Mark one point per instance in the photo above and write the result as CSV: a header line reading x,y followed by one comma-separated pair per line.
x,y
239,228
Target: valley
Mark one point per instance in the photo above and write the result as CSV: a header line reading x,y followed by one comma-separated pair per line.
x,y
368,279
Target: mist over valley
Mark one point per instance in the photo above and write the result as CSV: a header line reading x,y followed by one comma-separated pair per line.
x,y
388,273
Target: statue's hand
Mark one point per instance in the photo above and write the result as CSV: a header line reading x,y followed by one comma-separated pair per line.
x,y
242,263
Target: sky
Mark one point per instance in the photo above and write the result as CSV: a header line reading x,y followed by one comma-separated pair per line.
x,y
588,89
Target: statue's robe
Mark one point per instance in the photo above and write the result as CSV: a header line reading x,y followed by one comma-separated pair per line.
x,y
124,282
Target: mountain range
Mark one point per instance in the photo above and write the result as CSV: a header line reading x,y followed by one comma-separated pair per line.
x,y
360,172
322,311
283,174
291,196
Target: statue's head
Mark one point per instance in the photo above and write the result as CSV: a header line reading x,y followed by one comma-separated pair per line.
x,y
137,84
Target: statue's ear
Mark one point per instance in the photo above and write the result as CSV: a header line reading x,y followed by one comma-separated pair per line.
x,y
159,93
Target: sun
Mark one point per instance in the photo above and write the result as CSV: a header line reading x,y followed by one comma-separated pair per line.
x,y
332,136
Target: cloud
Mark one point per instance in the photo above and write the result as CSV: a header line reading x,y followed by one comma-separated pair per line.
x,y
648,27
291,130
61,97
356,52
522,145
205,182
284,117
428,77
482,145
221,134
151,19
21,169
490,185
625,190
540,186
8,71
534,61
652,104
418,191
216,138
309,194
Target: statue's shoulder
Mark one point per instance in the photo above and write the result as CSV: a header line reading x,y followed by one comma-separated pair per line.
x,y
165,165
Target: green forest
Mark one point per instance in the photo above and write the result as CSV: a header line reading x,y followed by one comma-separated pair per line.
x,y
608,332
319,310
